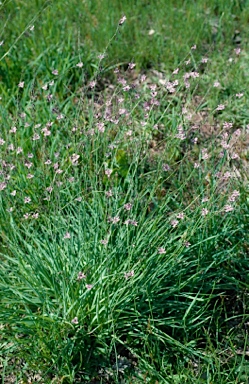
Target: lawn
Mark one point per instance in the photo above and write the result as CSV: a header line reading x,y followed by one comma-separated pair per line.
x,y
124,146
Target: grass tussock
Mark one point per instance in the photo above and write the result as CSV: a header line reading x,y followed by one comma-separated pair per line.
x,y
124,192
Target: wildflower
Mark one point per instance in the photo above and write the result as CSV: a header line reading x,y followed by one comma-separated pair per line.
x,y
30,176
92,84
193,47
234,195
13,193
2,141
32,28
101,127
109,193
67,235
26,216
129,274
166,167
114,219
122,20
81,276
74,159
161,250
35,215
128,206
13,130
19,150
204,211
101,56
79,65
174,223
151,32
78,199
89,286
220,107
239,95
175,72
187,244
27,200
2,186
21,84
104,241
55,72
75,320
204,60
228,208
131,65
216,84
237,51
205,199
108,172
36,137
180,215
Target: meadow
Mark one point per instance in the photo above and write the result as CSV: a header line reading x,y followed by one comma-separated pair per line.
x,y
124,205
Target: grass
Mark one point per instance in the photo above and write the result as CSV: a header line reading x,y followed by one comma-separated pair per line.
x,y
124,193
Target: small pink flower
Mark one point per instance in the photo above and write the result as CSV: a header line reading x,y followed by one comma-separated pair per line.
x,y
131,65
108,172
89,286
220,107
67,235
109,193
21,84
55,72
104,242
13,193
27,200
79,65
180,215
174,223
166,167
187,244
75,320
81,276
216,84
129,274
204,211
128,206
161,250
228,208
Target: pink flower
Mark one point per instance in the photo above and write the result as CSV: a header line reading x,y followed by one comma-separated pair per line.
x,y
75,320
108,172
81,276
174,223
55,72
21,84
228,208
89,286
128,206
67,235
27,200
79,65
204,211
161,250
129,274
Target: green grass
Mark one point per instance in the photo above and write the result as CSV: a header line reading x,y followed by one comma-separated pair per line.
x,y
124,213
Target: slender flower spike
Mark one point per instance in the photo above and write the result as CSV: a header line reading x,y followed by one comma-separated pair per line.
x,y
122,20
75,320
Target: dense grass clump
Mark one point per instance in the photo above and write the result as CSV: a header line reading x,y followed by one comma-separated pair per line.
x,y
124,192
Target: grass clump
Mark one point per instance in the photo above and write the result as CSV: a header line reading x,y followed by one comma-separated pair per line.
x,y
124,209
